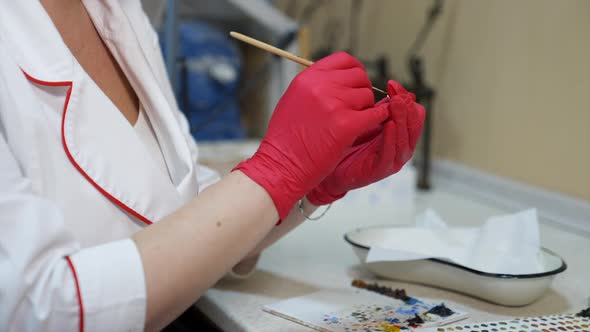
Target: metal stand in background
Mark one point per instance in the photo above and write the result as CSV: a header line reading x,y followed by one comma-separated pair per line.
x,y
424,94
171,35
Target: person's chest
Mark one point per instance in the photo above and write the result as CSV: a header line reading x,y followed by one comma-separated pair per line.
x,y
74,145
91,53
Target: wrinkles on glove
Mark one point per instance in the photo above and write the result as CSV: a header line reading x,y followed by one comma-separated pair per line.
x,y
318,118
379,151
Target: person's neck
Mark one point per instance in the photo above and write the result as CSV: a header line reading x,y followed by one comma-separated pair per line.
x,y
63,12
66,14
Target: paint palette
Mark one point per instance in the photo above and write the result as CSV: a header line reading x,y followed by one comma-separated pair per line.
x,y
555,323
360,310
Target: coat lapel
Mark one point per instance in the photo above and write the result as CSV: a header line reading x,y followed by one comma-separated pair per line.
x,y
97,139
125,30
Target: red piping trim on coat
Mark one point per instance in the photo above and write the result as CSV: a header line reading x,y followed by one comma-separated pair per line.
x,y
70,86
80,305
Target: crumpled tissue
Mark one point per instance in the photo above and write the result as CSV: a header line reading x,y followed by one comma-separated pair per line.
x,y
507,244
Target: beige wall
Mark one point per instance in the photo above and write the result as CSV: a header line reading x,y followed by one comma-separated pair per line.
x,y
513,79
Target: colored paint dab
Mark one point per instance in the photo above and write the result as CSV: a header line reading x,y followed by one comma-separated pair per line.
x,y
331,319
441,310
407,311
415,321
584,313
392,320
390,328
399,294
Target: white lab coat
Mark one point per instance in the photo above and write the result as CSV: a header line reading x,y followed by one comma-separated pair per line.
x,y
75,181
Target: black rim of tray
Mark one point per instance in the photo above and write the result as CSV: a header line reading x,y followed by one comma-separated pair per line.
x,y
560,269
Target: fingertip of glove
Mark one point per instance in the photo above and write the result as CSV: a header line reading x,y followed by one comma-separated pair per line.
x,y
382,112
394,88
383,101
421,112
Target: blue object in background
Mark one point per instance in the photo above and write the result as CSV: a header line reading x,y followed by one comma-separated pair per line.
x,y
207,81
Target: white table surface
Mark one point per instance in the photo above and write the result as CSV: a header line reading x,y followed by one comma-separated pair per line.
x,y
315,256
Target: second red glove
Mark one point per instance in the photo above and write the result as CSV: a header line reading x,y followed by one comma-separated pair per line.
x,y
325,109
379,152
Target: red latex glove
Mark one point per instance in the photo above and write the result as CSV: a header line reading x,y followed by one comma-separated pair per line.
x,y
325,109
378,153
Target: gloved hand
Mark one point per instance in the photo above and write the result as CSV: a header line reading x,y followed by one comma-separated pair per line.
x,y
379,152
324,110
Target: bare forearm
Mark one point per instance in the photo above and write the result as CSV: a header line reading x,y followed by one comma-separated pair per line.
x,y
188,251
294,219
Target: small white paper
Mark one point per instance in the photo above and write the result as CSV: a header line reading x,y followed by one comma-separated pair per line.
x,y
506,244
346,310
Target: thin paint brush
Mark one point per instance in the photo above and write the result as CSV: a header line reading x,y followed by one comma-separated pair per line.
x,y
278,51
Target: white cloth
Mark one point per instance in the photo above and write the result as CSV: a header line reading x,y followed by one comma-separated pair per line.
x,y
507,244
75,180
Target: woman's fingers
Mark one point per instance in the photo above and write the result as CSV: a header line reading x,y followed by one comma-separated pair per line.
x,y
383,101
339,60
388,149
350,78
399,114
414,112
358,99
364,120
394,88
368,135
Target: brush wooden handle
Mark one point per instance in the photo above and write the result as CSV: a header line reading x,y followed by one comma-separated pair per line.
x,y
278,51
271,49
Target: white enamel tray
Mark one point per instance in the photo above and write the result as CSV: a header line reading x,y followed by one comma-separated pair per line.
x,y
504,289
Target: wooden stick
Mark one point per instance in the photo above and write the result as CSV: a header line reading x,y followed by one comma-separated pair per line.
x,y
278,51
271,49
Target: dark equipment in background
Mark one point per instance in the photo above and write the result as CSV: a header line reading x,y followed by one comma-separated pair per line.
x,y
424,93
379,73
378,69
